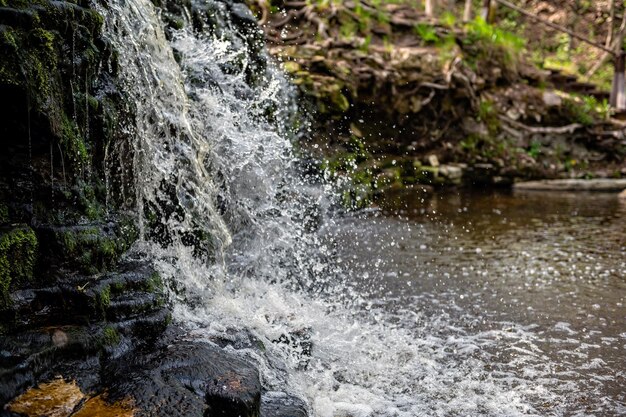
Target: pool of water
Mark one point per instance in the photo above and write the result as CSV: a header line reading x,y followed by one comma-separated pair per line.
x,y
533,284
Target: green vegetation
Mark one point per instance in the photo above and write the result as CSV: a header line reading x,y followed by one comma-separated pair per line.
x,y
4,213
465,92
488,45
103,300
18,255
110,337
586,109
427,33
488,115
535,149
91,249
154,283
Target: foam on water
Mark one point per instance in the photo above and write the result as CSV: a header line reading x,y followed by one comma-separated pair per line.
x,y
205,141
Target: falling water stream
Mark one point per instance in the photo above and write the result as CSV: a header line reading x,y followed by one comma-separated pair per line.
x,y
406,313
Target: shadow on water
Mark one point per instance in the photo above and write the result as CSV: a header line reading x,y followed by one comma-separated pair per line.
x,y
549,267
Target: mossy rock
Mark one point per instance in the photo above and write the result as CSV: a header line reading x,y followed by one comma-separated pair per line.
x,y
4,214
18,256
110,337
87,249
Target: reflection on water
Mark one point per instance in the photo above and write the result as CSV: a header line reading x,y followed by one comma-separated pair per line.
x,y
550,268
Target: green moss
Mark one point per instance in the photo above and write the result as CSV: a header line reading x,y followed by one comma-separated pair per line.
x,y
4,213
72,143
97,20
118,287
7,39
105,297
110,337
103,300
9,47
427,175
154,283
487,46
18,254
91,250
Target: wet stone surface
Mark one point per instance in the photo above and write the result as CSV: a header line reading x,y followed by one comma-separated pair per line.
x,y
279,404
186,378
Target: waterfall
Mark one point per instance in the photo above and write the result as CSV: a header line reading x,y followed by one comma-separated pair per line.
x,y
227,219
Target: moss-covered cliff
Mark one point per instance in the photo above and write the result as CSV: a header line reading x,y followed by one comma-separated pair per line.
x,y
66,183
74,301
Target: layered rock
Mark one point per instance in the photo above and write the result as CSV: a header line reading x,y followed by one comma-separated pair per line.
x,y
83,319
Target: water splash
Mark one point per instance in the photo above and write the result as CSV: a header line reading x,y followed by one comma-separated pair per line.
x,y
226,218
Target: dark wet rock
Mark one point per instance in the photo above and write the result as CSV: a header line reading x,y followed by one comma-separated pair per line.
x,y
86,248
134,289
280,404
186,378
18,255
70,327
241,12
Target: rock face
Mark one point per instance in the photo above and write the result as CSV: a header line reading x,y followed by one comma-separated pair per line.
x,y
67,298
74,302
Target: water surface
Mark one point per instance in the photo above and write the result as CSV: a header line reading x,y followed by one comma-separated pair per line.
x,y
533,284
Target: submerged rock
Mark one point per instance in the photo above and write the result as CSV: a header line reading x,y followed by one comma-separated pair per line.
x,y
59,398
56,398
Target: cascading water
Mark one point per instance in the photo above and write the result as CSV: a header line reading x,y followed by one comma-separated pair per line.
x,y
225,217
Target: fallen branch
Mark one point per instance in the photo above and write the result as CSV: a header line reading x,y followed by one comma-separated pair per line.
x,y
533,129
614,46
434,86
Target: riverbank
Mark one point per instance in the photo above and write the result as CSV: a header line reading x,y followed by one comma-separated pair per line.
x,y
399,100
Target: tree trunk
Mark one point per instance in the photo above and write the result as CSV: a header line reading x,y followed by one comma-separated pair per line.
x,y
615,45
467,11
430,7
609,36
488,11
618,92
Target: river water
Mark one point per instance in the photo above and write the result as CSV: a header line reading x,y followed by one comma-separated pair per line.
x,y
533,285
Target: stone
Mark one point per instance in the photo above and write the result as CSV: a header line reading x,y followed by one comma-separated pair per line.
x,y
432,160
552,99
280,404
451,172
427,174
99,407
59,398
56,398
622,195
243,13
186,378
472,127
18,256
59,338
